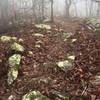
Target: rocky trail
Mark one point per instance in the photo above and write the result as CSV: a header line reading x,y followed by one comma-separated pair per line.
x,y
43,62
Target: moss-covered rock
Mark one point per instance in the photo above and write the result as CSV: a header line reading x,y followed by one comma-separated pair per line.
x,y
65,65
38,35
17,47
43,26
60,95
8,38
34,95
66,36
5,38
14,62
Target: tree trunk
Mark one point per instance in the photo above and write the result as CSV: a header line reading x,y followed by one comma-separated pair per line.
x,y
67,12
4,14
52,16
67,8
42,10
86,8
98,11
91,9
33,9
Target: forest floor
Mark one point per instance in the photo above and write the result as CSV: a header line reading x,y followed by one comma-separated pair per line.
x,y
38,69
70,25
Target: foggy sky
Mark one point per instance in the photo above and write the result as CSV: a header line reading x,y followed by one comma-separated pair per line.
x,y
80,6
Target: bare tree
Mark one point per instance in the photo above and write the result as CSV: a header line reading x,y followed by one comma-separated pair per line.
x,y
91,8
4,14
86,1
43,6
52,11
33,9
98,10
38,8
67,7
75,7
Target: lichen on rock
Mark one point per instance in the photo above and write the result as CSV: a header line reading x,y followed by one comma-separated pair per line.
x,y
5,38
17,47
14,62
43,26
34,95
65,65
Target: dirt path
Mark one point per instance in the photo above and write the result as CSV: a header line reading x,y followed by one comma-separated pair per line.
x,y
69,25
39,71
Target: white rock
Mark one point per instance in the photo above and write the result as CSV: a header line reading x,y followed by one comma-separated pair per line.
x,y
37,46
17,47
67,35
14,62
38,35
12,75
14,38
10,97
97,77
8,38
5,38
36,95
39,42
72,57
20,40
64,64
30,52
0,60
43,26
74,40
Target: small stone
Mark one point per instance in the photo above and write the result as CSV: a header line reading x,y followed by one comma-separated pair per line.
x,y
72,57
65,65
39,42
17,47
38,35
74,40
14,38
37,46
60,95
97,77
30,52
12,75
20,40
10,97
14,62
0,60
34,95
66,36
43,26
5,38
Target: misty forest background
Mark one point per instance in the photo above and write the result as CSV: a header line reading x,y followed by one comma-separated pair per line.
x,y
14,12
49,49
